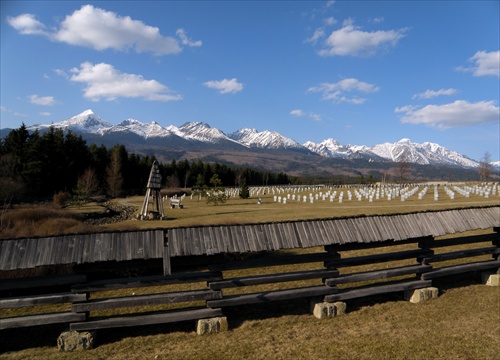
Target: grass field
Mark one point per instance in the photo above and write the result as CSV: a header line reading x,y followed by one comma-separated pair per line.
x,y
462,323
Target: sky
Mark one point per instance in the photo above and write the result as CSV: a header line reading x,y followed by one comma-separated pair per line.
x,y
360,72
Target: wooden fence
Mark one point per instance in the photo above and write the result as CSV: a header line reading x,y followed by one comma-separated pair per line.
x,y
332,269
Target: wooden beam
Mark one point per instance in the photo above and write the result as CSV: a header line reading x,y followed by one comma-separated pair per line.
x,y
139,320
272,278
378,258
36,300
124,283
466,240
167,269
461,254
459,269
376,290
41,281
377,274
146,300
268,296
41,319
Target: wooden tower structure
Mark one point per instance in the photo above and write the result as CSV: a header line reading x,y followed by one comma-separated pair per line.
x,y
153,196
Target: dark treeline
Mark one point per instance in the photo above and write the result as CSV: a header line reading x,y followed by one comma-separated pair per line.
x,y
39,165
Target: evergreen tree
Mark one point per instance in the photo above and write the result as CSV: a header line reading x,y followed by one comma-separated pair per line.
x,y
244,190
216,194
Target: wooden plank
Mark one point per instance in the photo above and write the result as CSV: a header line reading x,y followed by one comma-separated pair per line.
x,y
111,284
271,261
139,320
376,290
167,268
459,269
146,300
461,254
377,274
379,258
41,281
42,319
466,240
16,302
271,278
268,296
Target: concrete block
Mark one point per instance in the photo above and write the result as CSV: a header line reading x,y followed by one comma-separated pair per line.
x,y
491,279
75,340
419,295
212,325
325,309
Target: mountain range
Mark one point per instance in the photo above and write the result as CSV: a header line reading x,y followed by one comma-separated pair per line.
x,y
266,148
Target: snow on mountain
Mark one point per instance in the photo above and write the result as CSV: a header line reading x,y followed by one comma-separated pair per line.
x,y
202,132
264,139
146,131
329,148
426,153
86,121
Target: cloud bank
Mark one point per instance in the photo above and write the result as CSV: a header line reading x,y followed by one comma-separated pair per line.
x,y
103,81
100,29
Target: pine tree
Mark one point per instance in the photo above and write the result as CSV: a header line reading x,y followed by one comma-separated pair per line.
x,y
216,194
244,190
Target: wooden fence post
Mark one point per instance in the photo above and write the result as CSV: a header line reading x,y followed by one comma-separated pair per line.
x,y
166,256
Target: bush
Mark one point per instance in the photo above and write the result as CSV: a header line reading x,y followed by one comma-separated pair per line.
x,y
62,198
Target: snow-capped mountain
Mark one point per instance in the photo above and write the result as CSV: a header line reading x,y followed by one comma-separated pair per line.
x,y
264,139
189,134
87,121
201,131
423,154
330,148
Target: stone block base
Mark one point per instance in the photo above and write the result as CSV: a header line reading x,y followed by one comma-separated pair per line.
x,y
326,309
210,326
419,295
491,279
75,340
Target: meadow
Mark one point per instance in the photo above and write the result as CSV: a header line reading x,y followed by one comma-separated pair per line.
x,y
462,323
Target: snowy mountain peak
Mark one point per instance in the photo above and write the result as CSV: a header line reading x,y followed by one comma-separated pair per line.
x,y
201,131
87,122
265,139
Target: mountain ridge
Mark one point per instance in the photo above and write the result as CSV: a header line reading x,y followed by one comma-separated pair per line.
x,y
201,133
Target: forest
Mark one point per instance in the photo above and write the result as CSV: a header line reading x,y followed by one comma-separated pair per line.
x,y
36,166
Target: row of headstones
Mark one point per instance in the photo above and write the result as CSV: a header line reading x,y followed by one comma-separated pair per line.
x,y
405,193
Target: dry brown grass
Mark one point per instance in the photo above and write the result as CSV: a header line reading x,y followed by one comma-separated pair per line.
x,y
40,220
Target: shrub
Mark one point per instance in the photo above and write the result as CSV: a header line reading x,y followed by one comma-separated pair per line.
x,y
62,198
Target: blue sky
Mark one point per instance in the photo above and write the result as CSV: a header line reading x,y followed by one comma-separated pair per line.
x,y
360,72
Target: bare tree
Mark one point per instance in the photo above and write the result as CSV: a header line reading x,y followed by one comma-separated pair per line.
x,y
114,173
88,182
403,168
485,167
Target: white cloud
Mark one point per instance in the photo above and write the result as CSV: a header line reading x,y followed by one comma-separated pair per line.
x,y
427,94
225,86
27,24
337,91
181,33
319,33
42,100
310,114
104,81
100,29
297,112
351,41
44,113
486,63
456,114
